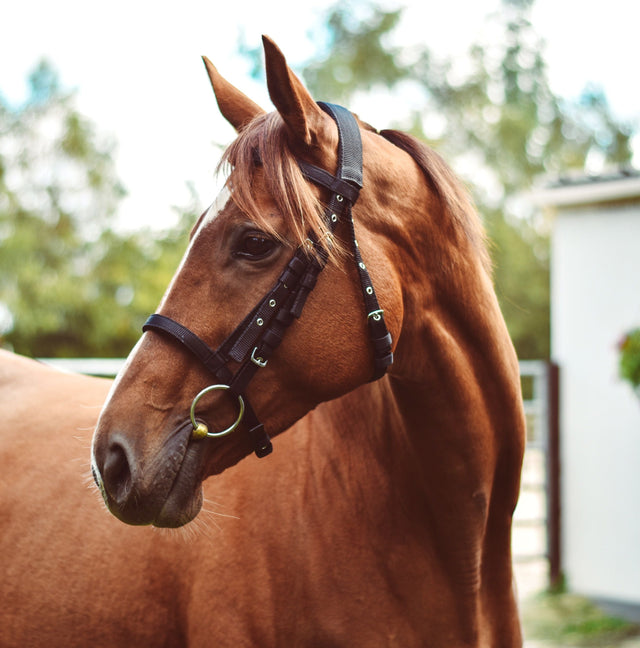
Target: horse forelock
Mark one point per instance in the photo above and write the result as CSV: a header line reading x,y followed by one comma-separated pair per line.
x,y
262,153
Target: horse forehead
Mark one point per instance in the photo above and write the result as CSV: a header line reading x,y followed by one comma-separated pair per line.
x,y
214,211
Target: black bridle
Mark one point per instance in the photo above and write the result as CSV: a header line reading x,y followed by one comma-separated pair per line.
x,y
255,339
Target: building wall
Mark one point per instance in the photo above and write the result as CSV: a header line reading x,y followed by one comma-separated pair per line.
x,y
595,298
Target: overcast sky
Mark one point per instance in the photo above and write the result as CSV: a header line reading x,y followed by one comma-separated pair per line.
x,y
138,74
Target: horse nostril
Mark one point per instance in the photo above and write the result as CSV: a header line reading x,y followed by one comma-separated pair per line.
x,y
116,473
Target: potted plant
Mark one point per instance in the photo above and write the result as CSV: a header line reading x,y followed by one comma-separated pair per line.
x,y
629,361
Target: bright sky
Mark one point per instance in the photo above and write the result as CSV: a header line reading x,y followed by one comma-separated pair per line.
x,y
136,66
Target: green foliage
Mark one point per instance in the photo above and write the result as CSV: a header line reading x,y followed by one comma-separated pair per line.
x,y
574,621
494,118
351,60
521,279
629,359
69,284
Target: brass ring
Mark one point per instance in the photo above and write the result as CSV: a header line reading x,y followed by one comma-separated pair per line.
x,y
200,430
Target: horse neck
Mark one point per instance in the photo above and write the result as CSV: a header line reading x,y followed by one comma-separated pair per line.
x,y
450,403
362,442
456,371
453,329
431,453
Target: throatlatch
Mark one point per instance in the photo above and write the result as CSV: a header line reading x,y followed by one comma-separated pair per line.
x,y
255,339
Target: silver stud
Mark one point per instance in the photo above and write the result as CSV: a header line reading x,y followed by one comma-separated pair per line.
x,y
334,218
369,290
272,302
339,198
259,321
362,265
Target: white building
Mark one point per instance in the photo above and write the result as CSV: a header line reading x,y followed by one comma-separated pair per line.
x,y
595,299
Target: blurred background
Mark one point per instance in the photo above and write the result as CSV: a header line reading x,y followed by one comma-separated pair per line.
x,y
109,134
110,138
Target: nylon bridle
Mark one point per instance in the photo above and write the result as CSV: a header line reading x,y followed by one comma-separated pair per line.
x,y
255,339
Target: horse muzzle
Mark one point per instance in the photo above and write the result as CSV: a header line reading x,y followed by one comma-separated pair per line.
x,y
164,489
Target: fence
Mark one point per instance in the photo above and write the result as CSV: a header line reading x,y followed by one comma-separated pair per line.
x,y
536,532
103,367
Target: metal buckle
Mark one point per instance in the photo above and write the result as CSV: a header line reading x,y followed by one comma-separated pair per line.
x,y
200,430
376,314
261,362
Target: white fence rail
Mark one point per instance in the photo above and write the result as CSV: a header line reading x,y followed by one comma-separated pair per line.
x,y
105,367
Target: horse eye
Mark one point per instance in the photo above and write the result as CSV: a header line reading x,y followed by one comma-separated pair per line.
x,y
255,245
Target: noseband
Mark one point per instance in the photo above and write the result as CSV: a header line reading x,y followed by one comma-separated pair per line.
x,y
256,338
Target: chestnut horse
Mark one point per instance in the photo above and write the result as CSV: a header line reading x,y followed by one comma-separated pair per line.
x,y
383,515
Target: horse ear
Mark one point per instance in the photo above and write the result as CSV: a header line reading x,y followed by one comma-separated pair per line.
x,y
300,112
234,105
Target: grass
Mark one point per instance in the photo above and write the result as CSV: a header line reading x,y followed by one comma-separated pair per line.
x,y
573,621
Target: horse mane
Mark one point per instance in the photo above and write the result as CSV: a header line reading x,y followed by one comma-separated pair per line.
x,y
452,194
262,148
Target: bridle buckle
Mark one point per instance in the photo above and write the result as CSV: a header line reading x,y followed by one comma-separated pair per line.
x,y
261,362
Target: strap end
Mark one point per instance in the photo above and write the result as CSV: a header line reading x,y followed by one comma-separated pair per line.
x,y
262,445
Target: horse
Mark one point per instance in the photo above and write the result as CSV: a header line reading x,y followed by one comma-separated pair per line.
x,y
328,393
71,574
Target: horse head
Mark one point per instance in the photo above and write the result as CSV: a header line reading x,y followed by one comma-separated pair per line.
x,y
147,460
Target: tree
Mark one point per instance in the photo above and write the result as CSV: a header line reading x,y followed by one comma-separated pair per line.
x,y
495,119
64,270
506,113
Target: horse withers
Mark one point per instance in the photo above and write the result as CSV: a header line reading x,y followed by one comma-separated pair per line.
x,y
335,306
